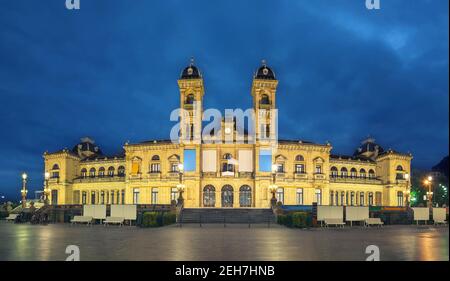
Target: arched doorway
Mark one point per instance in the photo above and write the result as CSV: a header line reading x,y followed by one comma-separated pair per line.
x,y
209,196
245,196
227,196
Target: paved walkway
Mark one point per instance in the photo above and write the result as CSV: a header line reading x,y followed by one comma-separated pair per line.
x,y
214,242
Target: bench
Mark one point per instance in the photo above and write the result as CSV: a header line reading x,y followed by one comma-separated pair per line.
x,y
436,222
114,220
82,219
12,217
335,222
373,221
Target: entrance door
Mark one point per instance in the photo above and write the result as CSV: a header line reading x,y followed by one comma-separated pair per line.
x,y
209,196
245,196
54,197
227,196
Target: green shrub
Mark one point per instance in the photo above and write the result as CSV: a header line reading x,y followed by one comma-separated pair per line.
x,y
150,219
169,218
155,219
295,219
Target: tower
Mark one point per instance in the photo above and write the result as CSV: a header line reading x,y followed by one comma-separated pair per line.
x,y
191,103
264,89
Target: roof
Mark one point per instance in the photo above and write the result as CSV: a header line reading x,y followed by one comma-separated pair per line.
x,y
264,72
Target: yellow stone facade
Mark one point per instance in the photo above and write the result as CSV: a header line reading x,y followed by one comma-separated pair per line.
x,y
147,172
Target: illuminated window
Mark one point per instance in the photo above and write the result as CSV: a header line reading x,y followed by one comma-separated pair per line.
x,y
136,196
299,196
280,194
400,199
318,196
154,195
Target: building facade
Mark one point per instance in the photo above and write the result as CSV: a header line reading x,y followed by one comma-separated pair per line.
x,y
228,172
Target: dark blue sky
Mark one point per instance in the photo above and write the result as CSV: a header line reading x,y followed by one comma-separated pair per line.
x,y
109,71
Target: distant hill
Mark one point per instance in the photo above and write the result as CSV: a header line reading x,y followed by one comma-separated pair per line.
x,y
442,167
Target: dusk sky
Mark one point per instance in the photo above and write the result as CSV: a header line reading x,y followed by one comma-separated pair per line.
x,y
110,70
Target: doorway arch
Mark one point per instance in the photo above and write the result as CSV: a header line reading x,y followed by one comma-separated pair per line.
x,y
227,196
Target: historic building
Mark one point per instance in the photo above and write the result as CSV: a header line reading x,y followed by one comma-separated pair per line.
x,y
228,174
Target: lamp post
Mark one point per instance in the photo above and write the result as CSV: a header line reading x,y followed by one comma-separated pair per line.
x,y
408,189
46,189
24,190
428,182
180,185
273,186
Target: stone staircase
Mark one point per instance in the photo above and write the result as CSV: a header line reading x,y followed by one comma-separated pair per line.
x,y
225,215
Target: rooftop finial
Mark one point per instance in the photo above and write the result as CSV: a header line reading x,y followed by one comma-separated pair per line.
x,y
192,61
263,62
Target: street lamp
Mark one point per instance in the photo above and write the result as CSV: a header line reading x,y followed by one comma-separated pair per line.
x,y
180,185
46,189
273,187
24,190
428,182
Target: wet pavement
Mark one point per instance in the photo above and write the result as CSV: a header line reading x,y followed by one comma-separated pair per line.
x,y
214,242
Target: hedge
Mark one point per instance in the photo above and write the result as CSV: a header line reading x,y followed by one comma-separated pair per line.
x,y
295,219
156,219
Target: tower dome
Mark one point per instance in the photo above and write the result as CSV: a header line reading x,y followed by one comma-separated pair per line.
x,y
264,72
191,71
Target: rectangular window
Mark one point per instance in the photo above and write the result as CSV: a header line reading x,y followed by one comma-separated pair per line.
x,y
112,197
361,199
122,197
300,168
174,167
102,197
154,195
265,160
370,199
400,199
280,168
155,168
299,196
280,195
83,198
189,160
318,169
135,168
136,196
319,196
173,194
93,197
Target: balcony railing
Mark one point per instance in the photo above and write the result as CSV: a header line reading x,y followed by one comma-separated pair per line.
x,y
303,176
247,175
99,179
354,180
319,176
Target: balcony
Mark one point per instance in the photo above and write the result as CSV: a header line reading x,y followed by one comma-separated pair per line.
x,y
209,174
137,176
173,175
302,176
154,175
319,176
99,179
53,180
246,175
227,174
355,180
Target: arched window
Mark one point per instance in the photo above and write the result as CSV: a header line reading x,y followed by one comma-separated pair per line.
x,y
344,172
92,172
299,158
83,173
227,156
121,171
371,174
227,196
190,99
245,196
334,172
155,166
101,172
353,173
400,175
400,199
111,171
209,196
55,171
264,99
362,173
